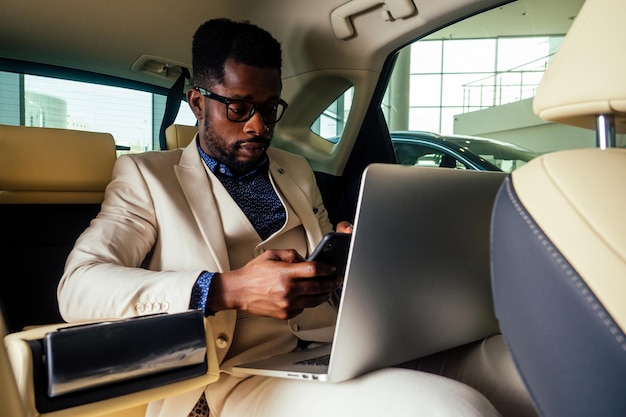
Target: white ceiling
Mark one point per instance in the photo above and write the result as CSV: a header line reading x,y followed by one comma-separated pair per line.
x,y
109,36
519,18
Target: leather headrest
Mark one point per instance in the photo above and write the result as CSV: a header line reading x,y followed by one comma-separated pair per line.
x,y
44,165
179,136
586,77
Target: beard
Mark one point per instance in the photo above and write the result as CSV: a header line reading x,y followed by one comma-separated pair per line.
x,y
227,153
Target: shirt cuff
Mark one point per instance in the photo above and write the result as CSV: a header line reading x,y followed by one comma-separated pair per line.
x,y
200,293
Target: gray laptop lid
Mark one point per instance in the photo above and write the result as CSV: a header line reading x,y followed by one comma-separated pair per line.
x,y
417,280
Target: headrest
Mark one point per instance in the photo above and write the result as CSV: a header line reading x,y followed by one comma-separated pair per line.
x,y
586,77
179,136
578,201
44,165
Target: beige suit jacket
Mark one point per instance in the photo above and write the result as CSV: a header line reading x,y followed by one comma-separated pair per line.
x,y
159,228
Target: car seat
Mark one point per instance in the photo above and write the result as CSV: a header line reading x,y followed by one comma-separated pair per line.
x,y
52,182
447,161
558,245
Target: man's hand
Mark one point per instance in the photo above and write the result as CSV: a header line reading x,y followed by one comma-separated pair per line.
x,y
344,227
277,283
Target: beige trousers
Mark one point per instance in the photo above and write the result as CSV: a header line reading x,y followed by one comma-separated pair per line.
x,y
487,366
388,392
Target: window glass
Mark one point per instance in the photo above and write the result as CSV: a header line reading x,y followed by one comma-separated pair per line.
x,y
425,118
457,91
468,80
331,122
126,114
478,78
9,98
426,57
524,53
414,154
185,115
472,55
133,117
427,91
473,78
447,117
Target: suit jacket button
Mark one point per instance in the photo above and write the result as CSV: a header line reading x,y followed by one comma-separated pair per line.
x,y
221,342
139,308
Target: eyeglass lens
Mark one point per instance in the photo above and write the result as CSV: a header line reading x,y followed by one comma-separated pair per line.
x,y
242,110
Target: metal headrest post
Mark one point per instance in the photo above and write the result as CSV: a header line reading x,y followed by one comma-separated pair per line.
x,y
605,131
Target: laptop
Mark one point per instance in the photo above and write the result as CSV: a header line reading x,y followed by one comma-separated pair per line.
x,y
417,280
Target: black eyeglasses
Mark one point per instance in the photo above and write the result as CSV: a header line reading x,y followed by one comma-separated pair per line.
x,y
238,110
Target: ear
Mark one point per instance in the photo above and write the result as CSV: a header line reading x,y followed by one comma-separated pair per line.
x,y
196,102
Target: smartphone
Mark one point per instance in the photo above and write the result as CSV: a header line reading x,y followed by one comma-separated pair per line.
x,y
333,249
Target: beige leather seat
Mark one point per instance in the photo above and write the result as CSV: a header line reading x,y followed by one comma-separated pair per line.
x,y
559,233
43,165
179,136
10,403
52,182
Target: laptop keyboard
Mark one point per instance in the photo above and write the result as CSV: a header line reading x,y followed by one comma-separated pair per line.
x,y
317,361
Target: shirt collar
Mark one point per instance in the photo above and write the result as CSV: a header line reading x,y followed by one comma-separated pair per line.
x,y
220,169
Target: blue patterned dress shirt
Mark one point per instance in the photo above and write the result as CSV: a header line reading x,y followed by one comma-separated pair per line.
x,y
254,194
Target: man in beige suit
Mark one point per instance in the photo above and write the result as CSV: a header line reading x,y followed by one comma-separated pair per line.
x,y
224,225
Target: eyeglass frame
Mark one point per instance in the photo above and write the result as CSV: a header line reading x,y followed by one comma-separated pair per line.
x,y
228,101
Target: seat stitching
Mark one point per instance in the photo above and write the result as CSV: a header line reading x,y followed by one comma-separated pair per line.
x,y
574,277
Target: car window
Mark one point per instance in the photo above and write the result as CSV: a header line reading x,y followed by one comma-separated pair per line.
x,y
132,116
414,154
330,124
505,156
462,80
480,83
448,77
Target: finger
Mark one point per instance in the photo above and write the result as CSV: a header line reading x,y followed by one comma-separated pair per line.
x,y
283,255
344,227
313,269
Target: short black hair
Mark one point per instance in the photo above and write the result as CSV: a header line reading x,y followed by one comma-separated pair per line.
x,y
217,40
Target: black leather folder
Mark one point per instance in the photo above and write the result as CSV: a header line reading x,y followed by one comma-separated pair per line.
x,y
82,357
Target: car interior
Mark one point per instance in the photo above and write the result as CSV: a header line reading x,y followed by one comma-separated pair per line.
x,y
82,83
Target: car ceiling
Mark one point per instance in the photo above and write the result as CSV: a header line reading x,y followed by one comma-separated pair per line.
x,y
108,37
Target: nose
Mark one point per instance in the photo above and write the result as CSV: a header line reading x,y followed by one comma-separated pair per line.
x,y
256,126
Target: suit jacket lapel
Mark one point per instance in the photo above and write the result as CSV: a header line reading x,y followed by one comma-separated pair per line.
x,y
192,176
298,200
